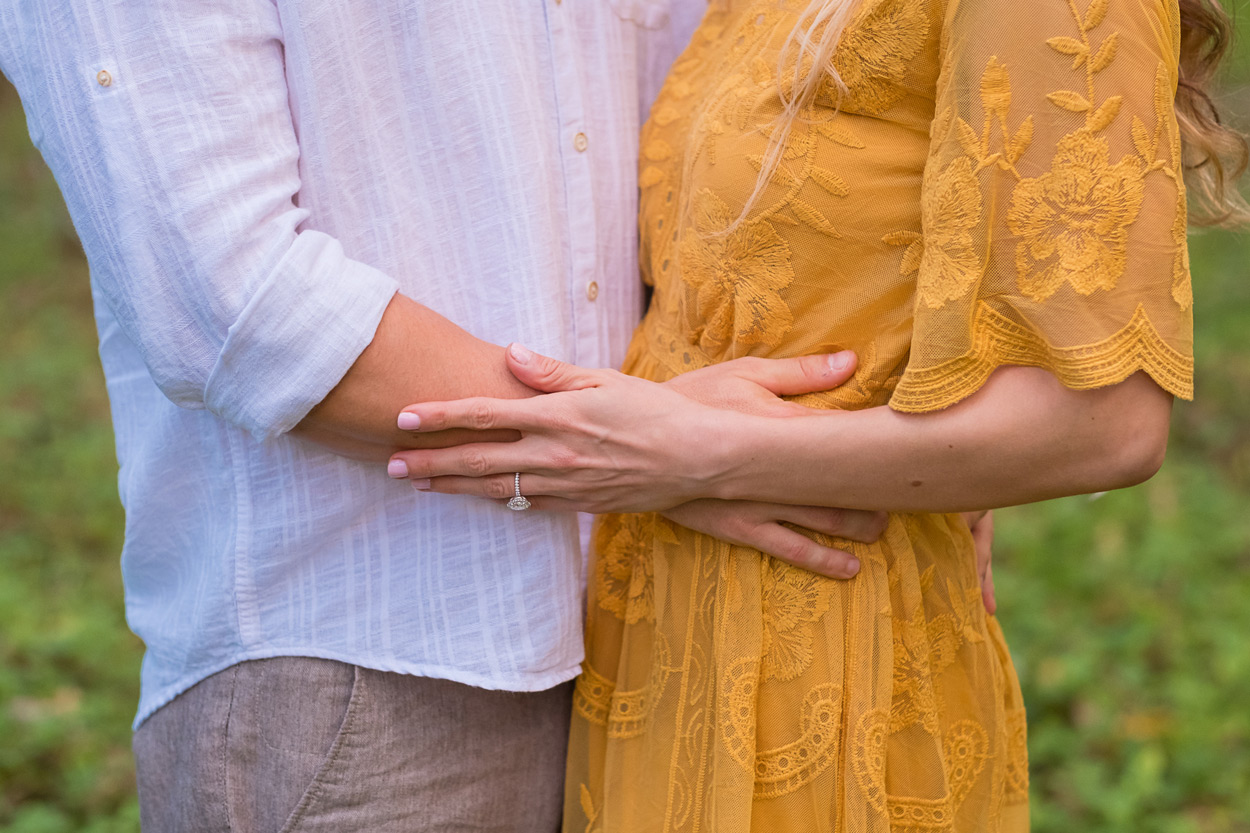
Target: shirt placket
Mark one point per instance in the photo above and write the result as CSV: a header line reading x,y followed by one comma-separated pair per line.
x,y
577,152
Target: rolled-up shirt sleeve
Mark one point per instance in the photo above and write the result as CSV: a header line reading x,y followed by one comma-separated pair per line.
x,y
168,128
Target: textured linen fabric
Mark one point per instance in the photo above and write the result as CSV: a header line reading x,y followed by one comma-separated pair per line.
x,y
252,181
988,193
300,745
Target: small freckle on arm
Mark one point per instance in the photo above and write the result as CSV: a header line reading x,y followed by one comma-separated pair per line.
x,y
917,483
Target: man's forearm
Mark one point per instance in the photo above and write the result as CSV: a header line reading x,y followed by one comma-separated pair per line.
x,y
416,355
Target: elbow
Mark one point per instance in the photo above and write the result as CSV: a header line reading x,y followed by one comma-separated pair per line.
x,y
1142,458
1140,442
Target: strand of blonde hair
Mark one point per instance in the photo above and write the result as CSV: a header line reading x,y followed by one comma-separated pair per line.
x,y
811,47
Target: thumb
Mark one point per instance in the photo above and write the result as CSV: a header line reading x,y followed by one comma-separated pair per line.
x,y
546,374
801,374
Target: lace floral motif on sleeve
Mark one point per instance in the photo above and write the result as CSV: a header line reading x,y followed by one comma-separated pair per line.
x,y
1072,221
946,257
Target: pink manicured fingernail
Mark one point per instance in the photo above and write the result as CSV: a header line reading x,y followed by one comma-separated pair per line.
x,y
408,421
840,361
397,469
421,485
519,354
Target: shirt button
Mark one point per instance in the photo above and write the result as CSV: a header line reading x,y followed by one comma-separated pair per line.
x,y
592,290
104,78
580,142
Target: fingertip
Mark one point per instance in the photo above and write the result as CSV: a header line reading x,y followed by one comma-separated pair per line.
x,y
408,421
520,353
840,565
841,362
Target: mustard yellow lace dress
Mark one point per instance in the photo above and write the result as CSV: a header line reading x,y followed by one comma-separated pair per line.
x,y
1001,186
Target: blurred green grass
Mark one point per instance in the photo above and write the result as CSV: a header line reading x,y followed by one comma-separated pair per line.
x,y
68,665
1128,616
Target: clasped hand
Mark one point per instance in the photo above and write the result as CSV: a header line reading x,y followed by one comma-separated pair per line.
x,y
600,441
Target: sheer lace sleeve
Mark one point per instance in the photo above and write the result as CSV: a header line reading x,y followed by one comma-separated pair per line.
x,y
1053,210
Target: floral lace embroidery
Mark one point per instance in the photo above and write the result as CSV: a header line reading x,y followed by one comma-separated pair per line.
x,y
624,575
1074,220
951,204
873,56
924,647
736,277
792,600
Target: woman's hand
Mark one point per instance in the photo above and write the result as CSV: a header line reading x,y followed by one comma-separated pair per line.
x,y
601,441
981,524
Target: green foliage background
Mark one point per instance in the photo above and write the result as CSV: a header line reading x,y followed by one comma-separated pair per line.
x,y
1128,616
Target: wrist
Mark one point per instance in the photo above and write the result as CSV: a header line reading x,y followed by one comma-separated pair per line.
x,y
734,444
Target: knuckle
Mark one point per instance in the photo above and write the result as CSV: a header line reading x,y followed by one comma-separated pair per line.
x,y
498,489
480,416
566,459
812,368
741,529
475,463
753,365
551,370
799,553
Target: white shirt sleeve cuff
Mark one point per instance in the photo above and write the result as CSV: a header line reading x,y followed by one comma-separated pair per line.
x,y
297,337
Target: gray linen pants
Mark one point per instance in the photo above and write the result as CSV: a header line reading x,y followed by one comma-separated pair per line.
x,y
298,744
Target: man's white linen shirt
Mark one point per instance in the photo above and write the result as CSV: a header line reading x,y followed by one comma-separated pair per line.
x,y
252,181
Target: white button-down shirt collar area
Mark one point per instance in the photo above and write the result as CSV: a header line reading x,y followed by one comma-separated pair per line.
x,y
252,181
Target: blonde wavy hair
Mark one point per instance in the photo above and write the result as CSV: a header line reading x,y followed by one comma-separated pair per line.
x,y
1216,155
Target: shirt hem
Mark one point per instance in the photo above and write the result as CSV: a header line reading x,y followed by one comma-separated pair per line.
x,y
525,682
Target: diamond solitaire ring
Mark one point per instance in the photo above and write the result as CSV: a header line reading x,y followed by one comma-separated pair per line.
x,y
519,503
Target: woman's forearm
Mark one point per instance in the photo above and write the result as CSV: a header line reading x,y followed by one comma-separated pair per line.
x,y
1023,437
604,442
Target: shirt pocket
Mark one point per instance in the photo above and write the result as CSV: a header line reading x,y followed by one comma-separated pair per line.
x,y
652,14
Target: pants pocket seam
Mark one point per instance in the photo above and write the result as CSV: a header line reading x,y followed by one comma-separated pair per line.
x,y
317,786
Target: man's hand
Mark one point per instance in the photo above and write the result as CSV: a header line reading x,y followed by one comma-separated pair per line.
x,y
982,526
762,526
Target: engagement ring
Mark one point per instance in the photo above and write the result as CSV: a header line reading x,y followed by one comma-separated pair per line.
x,y
519,503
